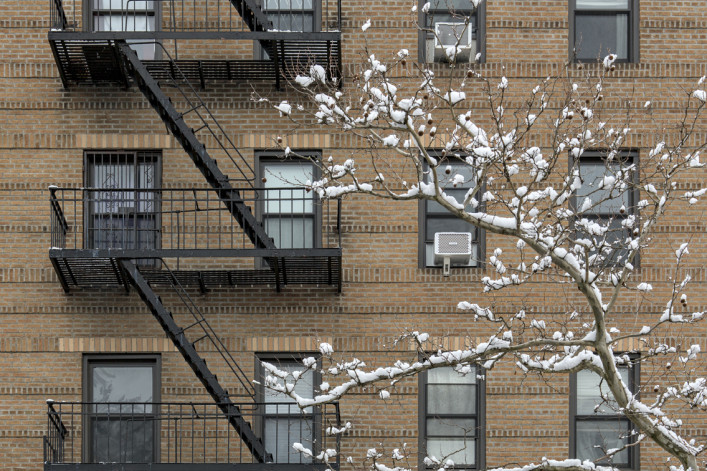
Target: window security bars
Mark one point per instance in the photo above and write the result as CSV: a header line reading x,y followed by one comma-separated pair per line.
x,y
181,432
154,219
140,16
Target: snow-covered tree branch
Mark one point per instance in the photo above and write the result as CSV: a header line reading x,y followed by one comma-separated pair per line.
x,y
559,177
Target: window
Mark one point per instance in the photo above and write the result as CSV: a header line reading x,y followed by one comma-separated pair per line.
x,y
615,209
126,15
597,425
118,215
600,27
452,417
434,218
119,392
283,423
451,23
289,212
292,15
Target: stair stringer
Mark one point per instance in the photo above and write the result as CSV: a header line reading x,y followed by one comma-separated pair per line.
x,y
174,121
197,364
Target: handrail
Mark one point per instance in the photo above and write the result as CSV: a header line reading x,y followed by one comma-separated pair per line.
x,y
58,16
187,432
189,218
209,332
195,108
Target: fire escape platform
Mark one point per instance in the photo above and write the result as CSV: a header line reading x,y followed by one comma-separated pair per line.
x,y
99,268
93,57
184,467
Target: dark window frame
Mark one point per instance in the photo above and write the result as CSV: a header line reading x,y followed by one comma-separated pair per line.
x,y
89,361
633,35
114,156
312,156
480,448
423,216
479,33
600,155
315,417
634,383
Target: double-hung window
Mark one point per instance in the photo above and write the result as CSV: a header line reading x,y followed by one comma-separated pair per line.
x,y
435,218
126,15
597,424
602,27
120,423
292,15
609,214
122,200
283,422
289,212
452,417
451,24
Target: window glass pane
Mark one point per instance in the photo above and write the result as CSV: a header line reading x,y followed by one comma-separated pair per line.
x,y
118,383
128,5
453,5
463,427
123,439
602,4
304,387
281,433
458,450
447,224
594,437
447,375
590,388
457,399
290,233
452,33
597,35
604,202
288,5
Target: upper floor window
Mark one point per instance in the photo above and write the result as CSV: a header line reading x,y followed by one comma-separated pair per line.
x,y
613,208
597,425
435,218
283,422
122,200
126,15
292,15
452,417
289,212
602,27
120,421
451,30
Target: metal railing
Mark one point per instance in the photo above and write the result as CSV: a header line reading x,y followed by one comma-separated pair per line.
x,y
57,15
188,219
201,15
94,432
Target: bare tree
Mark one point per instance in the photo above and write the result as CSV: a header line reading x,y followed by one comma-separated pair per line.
x,y
525,175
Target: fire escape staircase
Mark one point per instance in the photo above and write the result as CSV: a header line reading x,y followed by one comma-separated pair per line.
x,y
187,348
208,167
103,59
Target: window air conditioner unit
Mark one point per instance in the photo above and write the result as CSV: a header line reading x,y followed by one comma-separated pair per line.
x,y
446,34
452,247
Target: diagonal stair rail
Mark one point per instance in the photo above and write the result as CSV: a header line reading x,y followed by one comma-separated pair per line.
x,y
178,336
194,148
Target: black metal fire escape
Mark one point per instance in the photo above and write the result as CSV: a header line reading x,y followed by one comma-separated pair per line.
x,y
96,57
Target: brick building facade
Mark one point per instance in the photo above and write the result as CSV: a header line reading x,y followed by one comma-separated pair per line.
x,y
101,173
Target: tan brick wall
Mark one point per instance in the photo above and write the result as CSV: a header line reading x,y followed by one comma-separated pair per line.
x,y
44,130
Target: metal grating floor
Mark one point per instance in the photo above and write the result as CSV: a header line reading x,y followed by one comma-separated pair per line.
x,y
86,61
90,272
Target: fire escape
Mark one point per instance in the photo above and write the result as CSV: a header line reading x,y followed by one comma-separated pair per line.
x,y
144,239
